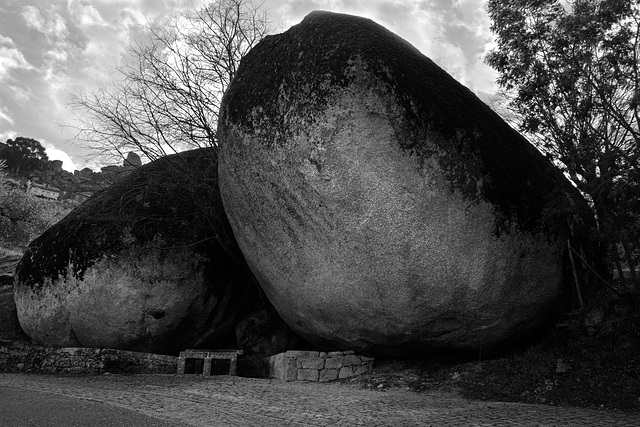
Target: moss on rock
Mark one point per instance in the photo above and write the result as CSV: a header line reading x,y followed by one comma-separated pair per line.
x,y
381,205
174,201
308,66
148,264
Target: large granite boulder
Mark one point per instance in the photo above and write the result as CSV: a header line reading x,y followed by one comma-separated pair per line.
x,y
381,205
149,264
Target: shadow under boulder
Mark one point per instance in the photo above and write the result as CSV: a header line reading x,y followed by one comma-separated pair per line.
x,y
149,264
10,329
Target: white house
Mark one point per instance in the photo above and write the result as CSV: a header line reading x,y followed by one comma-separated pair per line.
x,y
43,191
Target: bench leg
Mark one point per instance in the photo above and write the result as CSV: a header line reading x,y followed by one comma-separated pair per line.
x,y
206,370
181,365
233,365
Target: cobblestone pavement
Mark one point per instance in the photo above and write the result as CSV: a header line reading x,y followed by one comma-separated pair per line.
x,y
234,401
28,408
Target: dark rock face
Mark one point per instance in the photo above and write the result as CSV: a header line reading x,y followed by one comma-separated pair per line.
x,y
149,264
10,329
264,333
381,205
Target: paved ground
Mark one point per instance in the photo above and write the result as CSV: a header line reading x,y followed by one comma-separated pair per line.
x,y
232,401
26,408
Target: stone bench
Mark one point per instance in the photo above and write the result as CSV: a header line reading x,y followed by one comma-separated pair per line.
x,y
208,356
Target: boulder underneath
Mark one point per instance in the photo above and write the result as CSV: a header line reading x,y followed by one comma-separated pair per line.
x,y
381,205
149,264
10,329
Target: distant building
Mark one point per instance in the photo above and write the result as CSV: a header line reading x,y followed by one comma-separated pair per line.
x,y
40,190
56,165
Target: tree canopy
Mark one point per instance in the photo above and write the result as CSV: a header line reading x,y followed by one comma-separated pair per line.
x,y
23,216
570,69
24,154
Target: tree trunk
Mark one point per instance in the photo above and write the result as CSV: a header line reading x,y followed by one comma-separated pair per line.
x,y
616,260
632,269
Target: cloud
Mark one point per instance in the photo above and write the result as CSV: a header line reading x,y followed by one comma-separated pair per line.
x,y
84,15
55,153
33,18
55,45
20,94
461,37
50,49
10,134
129,17
53,25
453,33
57,55
11,58
4,115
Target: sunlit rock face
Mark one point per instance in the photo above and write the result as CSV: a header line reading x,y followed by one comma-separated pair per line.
x,y
381,205
149,264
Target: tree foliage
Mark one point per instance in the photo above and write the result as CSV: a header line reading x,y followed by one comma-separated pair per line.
x,y
571,72
24,154
169,92
23,216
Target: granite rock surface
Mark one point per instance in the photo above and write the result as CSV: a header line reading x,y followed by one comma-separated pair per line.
x,y
380,204
149,264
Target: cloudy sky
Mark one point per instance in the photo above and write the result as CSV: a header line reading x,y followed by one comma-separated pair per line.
x,y
51,49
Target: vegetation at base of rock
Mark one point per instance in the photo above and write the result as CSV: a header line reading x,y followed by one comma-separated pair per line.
x,y
173,200
602,366
575,365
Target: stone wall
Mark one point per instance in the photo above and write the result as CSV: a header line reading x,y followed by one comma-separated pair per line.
x,y
79,360
317,366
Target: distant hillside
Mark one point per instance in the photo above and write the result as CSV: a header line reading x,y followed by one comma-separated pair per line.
x,y
78,185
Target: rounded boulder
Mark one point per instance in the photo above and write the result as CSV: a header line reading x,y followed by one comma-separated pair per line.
x,y
380,204
149,264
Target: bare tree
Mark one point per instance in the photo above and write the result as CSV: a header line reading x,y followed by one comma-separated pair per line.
x,y
168,95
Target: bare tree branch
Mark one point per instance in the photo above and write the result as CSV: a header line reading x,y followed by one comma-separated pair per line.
x,y
167,98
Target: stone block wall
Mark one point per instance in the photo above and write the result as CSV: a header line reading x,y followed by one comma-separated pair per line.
x,y
80,360
317,366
